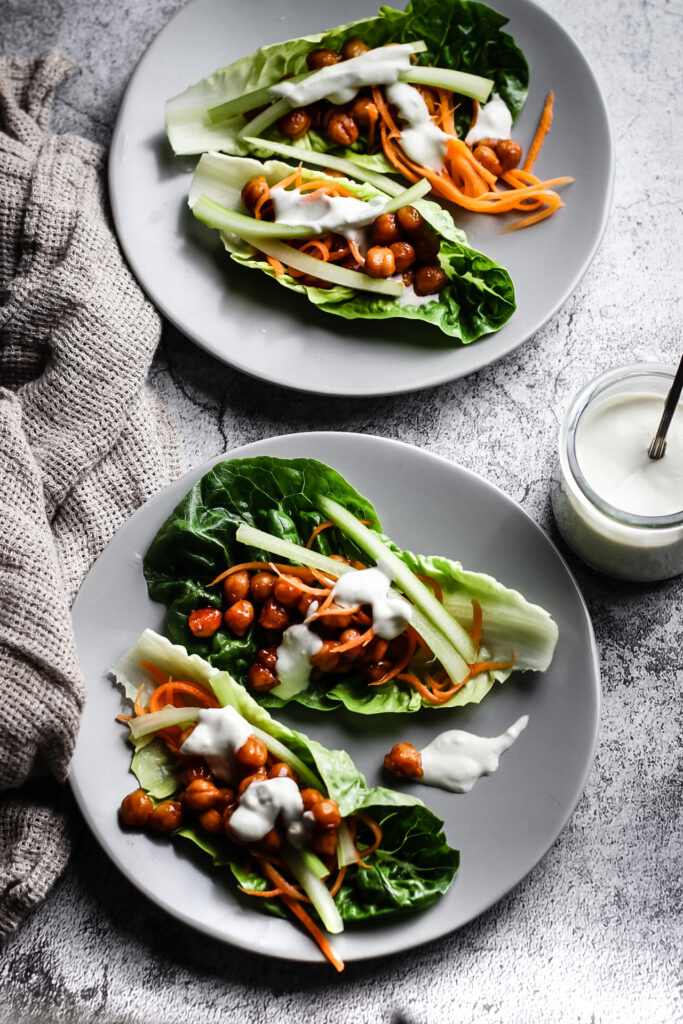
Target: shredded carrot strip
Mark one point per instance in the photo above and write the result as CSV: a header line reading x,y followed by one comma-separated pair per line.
x,y
266,894
338,881
360,641
438,593
476,623
293,570
139,707
327,609
155,672
488,666
123,718
260,203
318,246
312,927
319,529
167,693
276,265
331,189
543,128
402,662
289,180
434,696
356,253
376,833
316,591
277,879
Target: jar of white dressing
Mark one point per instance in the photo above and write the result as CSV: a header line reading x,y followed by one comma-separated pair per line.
x,y
619,510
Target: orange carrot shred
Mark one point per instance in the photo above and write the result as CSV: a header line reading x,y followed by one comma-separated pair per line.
x,y
543,128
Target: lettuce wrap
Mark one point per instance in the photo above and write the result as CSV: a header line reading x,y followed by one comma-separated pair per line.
x,y
283,498
413,865
478,296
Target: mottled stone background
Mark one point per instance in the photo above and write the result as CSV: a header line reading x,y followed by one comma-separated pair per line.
x,y
594,933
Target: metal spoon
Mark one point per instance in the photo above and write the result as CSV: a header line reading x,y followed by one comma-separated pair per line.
x,y
658,443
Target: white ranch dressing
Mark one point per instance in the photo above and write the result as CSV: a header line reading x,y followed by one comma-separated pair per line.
x,y
262,803
409,296
344,214
340,82
494,121
390,613
612,440
219,732
456,759
420,138
293,664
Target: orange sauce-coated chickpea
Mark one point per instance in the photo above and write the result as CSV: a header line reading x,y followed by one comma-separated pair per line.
x,y
200,795
404,760
325,843
261,586
364,112
136,809
286,593
261,678
326,814
166,816
354,48
253,752
260,776
273,615
404,255
410,220
488,158
509,153
310,797
239,617
379,262
204,622
341,128
294,124
281,770
254,189
236,587
317,59
211,821
385,230
429,279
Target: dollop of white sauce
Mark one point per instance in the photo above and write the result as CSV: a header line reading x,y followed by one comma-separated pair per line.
x,y
343,214
293,664
219,732
409,296
262,803
612,440
456,759
390,613
494,121
340,82
420,139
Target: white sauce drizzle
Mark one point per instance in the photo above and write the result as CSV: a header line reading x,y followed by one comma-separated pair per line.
x,y
494,121
390,614
218,734
422,141
456,759
293,665
344,214
262,803
409,296
340,82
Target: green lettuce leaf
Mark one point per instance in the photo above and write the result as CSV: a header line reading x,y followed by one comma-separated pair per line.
x,y
413,865
459,34
477,299
197,542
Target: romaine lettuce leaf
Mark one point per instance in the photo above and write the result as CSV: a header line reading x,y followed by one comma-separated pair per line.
x,y
197,542
479,295
414,863
459,34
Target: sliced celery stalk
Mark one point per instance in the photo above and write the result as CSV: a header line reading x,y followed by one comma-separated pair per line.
x,y
314,888
454,81
411,195
336,163
346,850
267,117
406,581
314,863
246,102
211,213
146,724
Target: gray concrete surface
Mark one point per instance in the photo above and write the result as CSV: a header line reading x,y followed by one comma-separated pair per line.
x,y
594,933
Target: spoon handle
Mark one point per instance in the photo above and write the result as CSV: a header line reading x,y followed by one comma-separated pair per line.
x,y
658,443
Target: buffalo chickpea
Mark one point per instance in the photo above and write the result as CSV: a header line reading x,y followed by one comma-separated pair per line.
x,y
347,636
342,129
410,220
351,264
200,795
295,124
353,48
317,59
404,760
254,190
225,798
286,593
336,621
272,842
488,158
404,255
261,679
236,587
310,796
211,821
429,279
239,617
261,586
166,816
326,814
204,622
259,776
364,112
280,770
325,843
252,753
379,262
385,230
273,615
194,771
509,153
373,671
268,656
426,246
326,658
376,649
306,600
136,809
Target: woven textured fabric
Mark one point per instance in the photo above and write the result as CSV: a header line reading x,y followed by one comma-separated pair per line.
x,y
83,442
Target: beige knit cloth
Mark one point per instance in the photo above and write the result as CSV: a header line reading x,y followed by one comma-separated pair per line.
x,y
83,443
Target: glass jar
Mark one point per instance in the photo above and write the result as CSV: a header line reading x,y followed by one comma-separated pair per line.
x,y
617,543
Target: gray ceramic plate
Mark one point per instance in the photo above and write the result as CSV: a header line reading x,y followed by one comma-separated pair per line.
x,y
250,322
502,827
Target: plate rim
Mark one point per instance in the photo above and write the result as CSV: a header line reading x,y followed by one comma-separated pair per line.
x,y
437,378
313,955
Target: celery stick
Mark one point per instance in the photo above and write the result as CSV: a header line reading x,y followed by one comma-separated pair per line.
x,y
315,889
454,81
267,117
146,724
314,863
211,213
411,195
421,595
246,102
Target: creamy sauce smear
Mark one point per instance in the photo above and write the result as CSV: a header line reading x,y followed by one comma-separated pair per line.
x,y
456,759
219,732
422,141
340,82
262,803
293,664
390,614
409,296
494,121
612,440
344,214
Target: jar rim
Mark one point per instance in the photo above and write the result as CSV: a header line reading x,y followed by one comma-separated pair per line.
x,y
578,406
